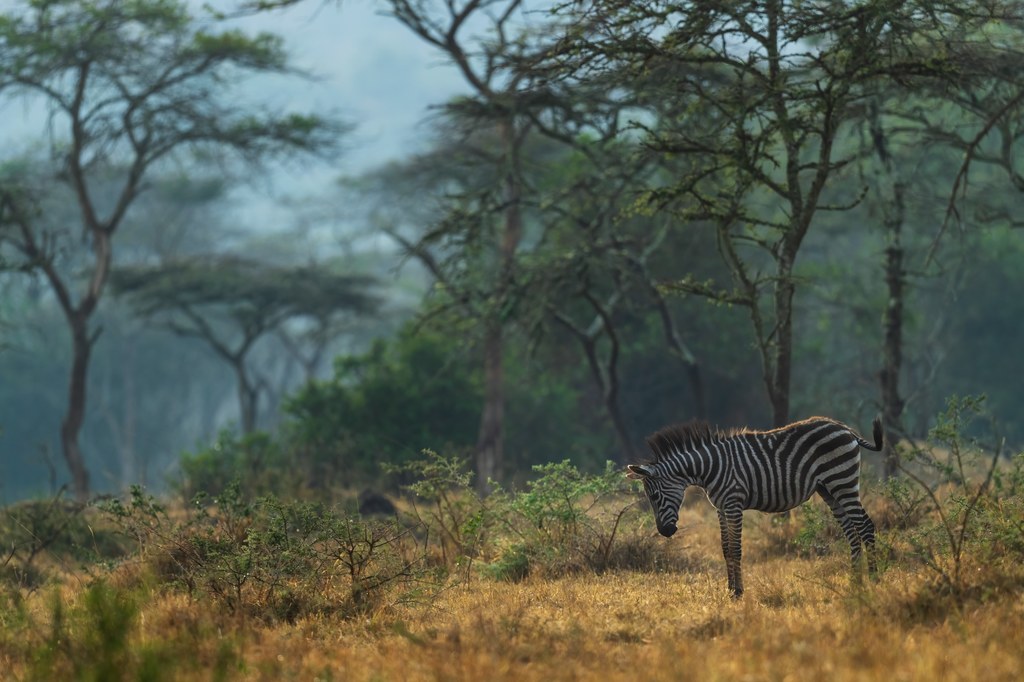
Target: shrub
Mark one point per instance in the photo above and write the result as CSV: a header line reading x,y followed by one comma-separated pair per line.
x,y
446,508
93,641
37,534
566,521
972,513
256,461
270,559
817,529
414,391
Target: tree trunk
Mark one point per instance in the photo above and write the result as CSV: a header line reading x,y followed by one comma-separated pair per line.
x,y
783,356
686,356
490,449
131,471
248,398
490,445
892,331
607,379
71,426
619,424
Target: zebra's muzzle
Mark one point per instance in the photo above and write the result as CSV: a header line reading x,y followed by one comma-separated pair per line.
x,y
667,531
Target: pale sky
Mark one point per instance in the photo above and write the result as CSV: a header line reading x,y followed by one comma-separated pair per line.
x,y
374,71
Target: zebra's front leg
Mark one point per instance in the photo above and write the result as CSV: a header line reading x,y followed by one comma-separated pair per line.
x,y
731,522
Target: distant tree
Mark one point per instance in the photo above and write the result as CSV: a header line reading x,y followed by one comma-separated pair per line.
x,y
9,209
231,304
128,86
890,190
986,102
12,207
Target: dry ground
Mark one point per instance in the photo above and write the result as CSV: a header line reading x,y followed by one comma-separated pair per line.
x,y
801,618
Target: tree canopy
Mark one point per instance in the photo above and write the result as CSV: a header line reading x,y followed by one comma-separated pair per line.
x,y
231,304
128,85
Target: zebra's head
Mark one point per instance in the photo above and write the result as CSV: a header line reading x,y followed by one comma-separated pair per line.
x,y
664,492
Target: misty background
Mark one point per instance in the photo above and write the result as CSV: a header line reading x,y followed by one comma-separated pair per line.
x,y
376,338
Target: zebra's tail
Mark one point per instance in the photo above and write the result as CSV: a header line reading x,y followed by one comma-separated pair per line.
x,y
876,428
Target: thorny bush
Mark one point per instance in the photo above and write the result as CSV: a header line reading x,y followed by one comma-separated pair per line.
x,y
963,503
271,559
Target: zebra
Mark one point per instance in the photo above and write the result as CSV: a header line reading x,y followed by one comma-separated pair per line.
x,y
770,471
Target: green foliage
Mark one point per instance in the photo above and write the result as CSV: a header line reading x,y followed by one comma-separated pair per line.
x,y
566,521
973,516
247,293
94,641
97,638
377,554
256,462
139,519
547,416
416,391
563,521
36,536
1002,517
272,560
264,52
446,507
817,530
985,325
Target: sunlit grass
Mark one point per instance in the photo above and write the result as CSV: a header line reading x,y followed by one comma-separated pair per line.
x,y
801,618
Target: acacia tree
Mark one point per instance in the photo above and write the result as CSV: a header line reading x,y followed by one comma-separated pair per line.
x,y
973,109
754,96
497,106
231,304
594,269
127,86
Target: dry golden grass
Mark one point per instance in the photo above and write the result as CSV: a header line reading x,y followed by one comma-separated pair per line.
x,y
801,618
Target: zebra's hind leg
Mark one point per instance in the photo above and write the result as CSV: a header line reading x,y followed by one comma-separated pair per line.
x,y
848,521
866,530
731,522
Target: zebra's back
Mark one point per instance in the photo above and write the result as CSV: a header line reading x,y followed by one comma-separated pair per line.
x,y
777,470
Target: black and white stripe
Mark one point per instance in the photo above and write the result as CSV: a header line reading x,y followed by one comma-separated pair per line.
x,y
770,471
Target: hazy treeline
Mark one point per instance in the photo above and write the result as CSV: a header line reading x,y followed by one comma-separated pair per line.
x,y
641,213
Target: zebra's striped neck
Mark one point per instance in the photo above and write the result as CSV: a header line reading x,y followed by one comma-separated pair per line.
x,y
692,461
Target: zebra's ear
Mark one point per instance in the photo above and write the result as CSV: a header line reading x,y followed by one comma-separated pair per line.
x,y
639,471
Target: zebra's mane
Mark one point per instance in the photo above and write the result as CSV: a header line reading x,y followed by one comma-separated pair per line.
x,y
682,437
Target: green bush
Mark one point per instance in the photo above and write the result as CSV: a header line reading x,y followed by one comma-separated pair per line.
x,y
566,521
269,559
416,391
817,530
422,390
93,641
969,514
256,461
453,518
563,521
38,534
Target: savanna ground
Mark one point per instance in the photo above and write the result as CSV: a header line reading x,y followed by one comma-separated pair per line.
x,y
801,618
565,579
